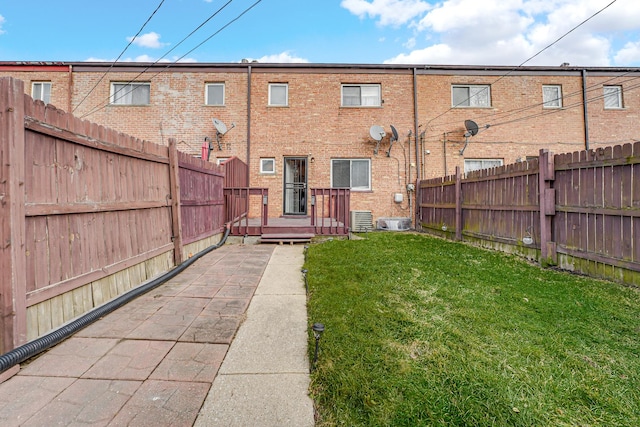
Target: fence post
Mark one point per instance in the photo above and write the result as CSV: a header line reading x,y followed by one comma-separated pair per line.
x,y
458,204
548,254
176,216
13,286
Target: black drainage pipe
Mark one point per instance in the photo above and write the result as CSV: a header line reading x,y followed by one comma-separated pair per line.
x,y
37,346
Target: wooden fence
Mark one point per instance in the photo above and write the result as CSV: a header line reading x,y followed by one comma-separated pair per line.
x,y
579,211
87,214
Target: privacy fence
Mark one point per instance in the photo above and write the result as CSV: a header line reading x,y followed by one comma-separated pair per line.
x,y
87,214
579,211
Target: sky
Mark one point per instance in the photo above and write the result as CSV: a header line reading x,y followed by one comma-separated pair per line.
x,y
450,32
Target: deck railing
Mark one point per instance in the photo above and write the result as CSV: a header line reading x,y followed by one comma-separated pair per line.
x,y
238,201
330,210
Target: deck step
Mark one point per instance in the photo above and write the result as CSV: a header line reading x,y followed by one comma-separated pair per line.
x,y
286,238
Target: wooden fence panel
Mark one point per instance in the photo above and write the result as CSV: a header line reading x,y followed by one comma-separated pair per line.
x,y
88,213
591,210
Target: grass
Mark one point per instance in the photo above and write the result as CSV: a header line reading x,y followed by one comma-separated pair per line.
x,y
426,332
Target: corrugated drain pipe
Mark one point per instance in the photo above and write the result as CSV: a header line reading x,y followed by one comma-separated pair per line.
x,y
32,348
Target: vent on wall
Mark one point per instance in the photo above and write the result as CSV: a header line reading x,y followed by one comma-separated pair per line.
x,y
361,221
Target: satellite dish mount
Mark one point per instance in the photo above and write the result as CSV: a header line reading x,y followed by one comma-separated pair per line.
x,y
471,130
377,133
221,129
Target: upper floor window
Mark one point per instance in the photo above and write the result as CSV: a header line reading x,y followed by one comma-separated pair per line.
x,y
130,93
552,96
471,165
214,94
361,95
351,173
612,97
471,96
279,94
41,91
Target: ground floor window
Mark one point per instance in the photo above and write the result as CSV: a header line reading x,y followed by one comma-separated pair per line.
x,y
471,165
351,173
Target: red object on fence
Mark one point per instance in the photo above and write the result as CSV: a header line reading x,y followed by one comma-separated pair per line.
x,y
205,150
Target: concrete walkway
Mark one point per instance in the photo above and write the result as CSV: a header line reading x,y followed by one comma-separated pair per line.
x,y
224,343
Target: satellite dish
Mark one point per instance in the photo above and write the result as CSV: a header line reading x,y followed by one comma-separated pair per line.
x,y
220,127
394,137
471,127
377,132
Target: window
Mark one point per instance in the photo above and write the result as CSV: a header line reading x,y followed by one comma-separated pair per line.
x,y
221,160
471,96
552,96
361,96
612,97
279,94
471,165
130,93
351,173
268,166
214,94
41,91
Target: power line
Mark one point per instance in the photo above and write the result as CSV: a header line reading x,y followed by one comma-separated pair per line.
x,y
107,101
119,56
532,57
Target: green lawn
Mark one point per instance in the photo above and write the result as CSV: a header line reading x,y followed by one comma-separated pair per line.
x,y
423,331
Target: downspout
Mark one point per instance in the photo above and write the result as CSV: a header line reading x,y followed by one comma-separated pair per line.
x,y
585,109
415,133
248,124
70,93
415,120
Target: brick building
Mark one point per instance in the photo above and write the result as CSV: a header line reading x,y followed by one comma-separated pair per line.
x,y
302,126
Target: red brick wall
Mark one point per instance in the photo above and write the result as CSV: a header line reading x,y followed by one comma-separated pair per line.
x,y
315,126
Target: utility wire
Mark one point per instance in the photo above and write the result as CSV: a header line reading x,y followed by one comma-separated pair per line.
x,y
530,58
120,95
119,56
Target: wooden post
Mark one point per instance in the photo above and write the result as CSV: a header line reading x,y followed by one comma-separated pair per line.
x,y
176,216
548,254
13,287
458,204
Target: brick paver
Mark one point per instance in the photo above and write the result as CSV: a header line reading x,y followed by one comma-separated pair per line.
x,y
150,362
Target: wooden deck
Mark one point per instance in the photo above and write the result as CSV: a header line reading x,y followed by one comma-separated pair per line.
x,y
288,229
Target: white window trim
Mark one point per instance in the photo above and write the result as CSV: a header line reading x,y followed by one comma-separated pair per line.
x,y
206,94
558,99
264,162
112,94
351,160
369,85
286,88
42,83
487,87
619,97
220,160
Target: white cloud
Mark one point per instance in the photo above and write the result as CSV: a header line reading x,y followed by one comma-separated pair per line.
x,y
629,54
2,21
510,32
284,57
388,12
151,40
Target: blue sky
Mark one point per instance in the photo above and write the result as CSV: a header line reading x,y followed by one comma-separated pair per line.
x,y
455,32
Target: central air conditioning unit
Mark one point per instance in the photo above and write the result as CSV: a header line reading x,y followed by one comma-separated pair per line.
x,y
361,221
